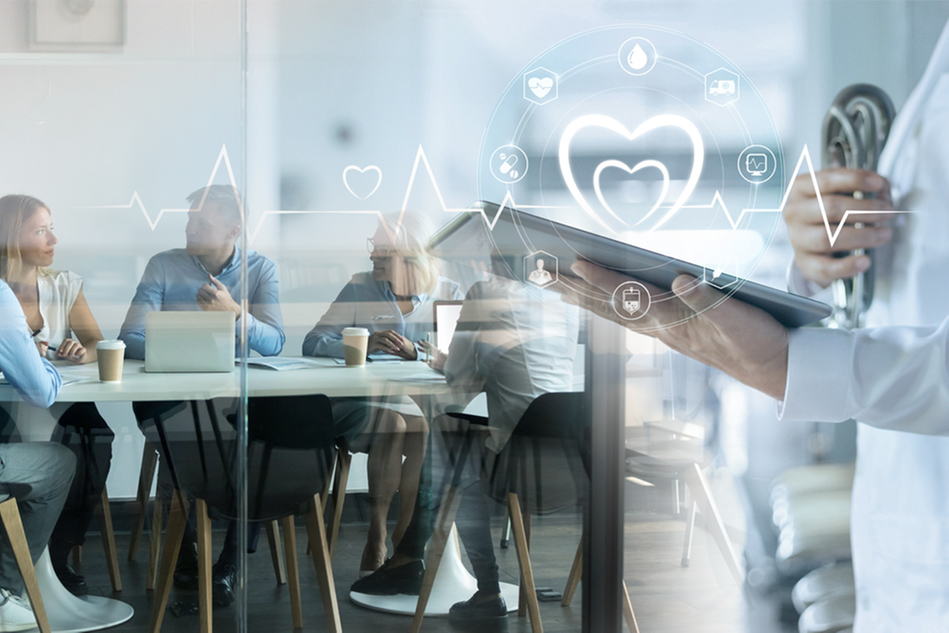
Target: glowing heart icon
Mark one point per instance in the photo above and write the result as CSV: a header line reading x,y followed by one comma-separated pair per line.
x,y
360,180
540,86
609,123
640,165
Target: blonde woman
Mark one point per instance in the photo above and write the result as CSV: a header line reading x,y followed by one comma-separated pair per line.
x,y
63,328
394,302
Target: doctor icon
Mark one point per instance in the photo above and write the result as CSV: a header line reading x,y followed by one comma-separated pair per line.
x,y
540,276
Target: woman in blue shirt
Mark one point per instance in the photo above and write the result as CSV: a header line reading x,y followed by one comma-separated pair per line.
x,y
394,302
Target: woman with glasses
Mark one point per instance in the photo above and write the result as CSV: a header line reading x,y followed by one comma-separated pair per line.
x,y
63,328
394,302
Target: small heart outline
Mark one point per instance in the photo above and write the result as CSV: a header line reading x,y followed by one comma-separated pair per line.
x,y
361,170
640,165
540,86
611,124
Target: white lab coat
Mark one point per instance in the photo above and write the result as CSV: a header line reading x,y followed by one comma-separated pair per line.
x,y
895,382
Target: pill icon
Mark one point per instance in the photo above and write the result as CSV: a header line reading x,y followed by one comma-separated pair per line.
x,y
508,163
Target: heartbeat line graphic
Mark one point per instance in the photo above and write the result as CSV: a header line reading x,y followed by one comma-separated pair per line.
x,y
833,232
421,160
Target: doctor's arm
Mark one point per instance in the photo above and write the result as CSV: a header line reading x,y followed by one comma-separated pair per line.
x,y
893,378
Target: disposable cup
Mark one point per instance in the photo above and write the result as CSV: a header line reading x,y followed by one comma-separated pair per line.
x,y
355,346
110,355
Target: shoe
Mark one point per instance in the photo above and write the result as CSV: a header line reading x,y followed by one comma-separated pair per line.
x,y
479,614
389,581
16,614
186,569
223,582
73,582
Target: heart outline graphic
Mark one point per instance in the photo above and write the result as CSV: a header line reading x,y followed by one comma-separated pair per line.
x,y
361,170
640,165
611,124
540,86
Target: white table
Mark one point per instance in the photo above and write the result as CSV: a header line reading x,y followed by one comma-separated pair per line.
x,y
66,612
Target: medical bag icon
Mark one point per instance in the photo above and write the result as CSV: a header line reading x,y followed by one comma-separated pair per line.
x,y
631,300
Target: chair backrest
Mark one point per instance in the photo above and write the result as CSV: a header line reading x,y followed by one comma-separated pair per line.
x,y
546,459
289,452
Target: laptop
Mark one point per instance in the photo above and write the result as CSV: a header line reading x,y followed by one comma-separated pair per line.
x,y
445,315
189,342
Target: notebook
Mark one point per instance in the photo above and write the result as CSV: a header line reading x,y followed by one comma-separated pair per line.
x,y
189,341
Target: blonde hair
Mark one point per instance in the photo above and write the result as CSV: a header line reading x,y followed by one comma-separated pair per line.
x,y
15,210
410,232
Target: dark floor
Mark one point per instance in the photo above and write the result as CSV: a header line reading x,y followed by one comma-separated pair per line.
x,y
665,596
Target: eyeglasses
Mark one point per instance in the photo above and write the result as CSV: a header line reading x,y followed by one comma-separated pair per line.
x,y
375,250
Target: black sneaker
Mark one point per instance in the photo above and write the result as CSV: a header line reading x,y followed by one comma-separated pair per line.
x,y
73,582
389,581
186,569
223,583
479,614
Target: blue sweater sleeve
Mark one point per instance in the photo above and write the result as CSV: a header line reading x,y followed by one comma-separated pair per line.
x,y
265,333
34,378
149,297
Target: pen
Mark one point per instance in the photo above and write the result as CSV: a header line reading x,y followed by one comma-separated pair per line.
x,y
33,335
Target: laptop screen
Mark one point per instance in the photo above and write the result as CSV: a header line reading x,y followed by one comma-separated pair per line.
x,y
446,319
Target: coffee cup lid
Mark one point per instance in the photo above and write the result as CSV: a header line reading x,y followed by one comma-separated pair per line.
x,y
355,331
112,344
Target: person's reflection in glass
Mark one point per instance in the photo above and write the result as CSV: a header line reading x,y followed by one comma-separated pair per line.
x,y
515,342
63,328
394,302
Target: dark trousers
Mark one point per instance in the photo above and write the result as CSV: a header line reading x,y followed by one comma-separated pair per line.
x,y
88,436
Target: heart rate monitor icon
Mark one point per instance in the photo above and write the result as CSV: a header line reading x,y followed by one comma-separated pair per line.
x,y
362,179
540,86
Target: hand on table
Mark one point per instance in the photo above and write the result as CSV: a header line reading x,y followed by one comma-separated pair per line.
x,y
391,342
436,357
41,347
71,350
813,253
741,340
214,297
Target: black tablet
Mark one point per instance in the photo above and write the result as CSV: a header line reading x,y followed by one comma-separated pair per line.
x,y
523,240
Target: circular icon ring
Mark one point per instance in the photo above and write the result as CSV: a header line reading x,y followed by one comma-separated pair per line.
x,y
631,300
509,164
757,164
637,56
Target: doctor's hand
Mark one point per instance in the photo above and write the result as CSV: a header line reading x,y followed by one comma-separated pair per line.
x,y
391,342
214,297
436,357
741,340
813,252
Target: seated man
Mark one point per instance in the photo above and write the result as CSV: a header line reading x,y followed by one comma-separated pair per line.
x,y
206,275
38,475
514,342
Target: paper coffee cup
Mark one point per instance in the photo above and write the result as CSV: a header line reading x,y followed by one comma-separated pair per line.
x,y
355,345
111,355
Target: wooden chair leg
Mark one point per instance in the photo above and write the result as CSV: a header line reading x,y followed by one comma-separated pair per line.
x,y
154,545
273,537
10,516
522,597
343,462
177,517
689,529
443,525
316,531
204,564
628,614
290,543
573,580
108,540
146,476
702,494
523,558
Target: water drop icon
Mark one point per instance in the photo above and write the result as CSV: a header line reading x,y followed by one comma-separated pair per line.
x,y
637,58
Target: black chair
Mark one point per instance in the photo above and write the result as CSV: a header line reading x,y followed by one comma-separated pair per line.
x,y
543,468
290,448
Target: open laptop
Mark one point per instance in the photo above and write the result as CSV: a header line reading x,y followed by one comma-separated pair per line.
x,y
189,342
